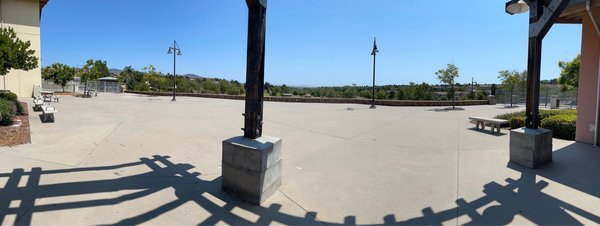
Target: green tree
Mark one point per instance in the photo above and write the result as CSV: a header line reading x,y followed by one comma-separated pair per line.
x,y
493,89
512,79
156,81
569,75
285,89
93,70
59,73
15,53
447,76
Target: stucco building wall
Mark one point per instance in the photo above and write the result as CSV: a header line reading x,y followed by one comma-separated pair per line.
x,y
588,80
24,17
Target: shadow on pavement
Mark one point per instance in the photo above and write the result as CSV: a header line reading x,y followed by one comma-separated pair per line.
x,y
489,131
188,188
574,166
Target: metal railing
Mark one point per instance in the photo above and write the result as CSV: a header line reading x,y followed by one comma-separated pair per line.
x,y
77,87
566,99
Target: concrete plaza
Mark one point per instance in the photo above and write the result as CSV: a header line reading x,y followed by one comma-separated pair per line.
x,y
132,159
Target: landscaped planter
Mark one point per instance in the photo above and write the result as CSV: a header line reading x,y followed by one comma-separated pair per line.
x,y
17,133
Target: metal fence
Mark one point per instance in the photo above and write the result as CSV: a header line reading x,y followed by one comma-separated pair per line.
x,y
548,97
77,87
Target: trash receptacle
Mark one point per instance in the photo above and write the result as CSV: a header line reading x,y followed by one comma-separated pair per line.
x,y
554,102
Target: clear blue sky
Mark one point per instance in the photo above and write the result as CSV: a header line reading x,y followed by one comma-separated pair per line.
x,y
309,42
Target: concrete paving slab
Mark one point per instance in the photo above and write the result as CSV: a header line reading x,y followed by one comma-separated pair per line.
x,y
135,159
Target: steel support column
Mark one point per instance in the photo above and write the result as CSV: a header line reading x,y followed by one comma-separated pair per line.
x,y
255,68
534,62
542,15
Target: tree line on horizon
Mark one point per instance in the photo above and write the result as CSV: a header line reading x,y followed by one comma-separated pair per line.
x,y
149,79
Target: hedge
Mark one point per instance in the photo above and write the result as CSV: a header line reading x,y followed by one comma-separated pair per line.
x,y
561,122
516,121
8,96
562,126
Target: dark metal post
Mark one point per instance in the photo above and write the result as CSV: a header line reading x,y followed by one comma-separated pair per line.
x,y
542,15
373,91
534,58
174,74
546,101
176,51
255,68
374,53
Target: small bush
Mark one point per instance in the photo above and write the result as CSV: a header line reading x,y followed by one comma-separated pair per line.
x,y
507,116
516,121
562,126
8,96
19,108
6,112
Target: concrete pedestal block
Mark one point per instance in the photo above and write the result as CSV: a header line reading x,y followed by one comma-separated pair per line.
x,y
251,168
491,99
531,147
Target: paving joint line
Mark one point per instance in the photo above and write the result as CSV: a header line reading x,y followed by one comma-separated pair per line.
x,y
457,163
103,140
305,210
191,115
383,126
308,130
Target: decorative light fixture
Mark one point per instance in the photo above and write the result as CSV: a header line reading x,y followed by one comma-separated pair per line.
x,y
516,7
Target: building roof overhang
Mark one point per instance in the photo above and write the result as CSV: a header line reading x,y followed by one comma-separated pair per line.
x,y
43,3
574,12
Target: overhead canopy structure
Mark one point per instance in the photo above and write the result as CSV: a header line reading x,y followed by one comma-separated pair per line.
x,y
574,13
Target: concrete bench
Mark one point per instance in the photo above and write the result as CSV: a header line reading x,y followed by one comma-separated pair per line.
x,y
495,123
37,103
48,113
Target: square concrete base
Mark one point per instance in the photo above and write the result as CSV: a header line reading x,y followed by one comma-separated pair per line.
x,y
251,168
531,147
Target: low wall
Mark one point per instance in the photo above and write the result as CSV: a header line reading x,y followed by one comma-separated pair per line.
x,y
326,100
17,133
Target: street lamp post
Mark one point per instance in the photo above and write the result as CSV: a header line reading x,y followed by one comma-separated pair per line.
x,y
176,52
374,53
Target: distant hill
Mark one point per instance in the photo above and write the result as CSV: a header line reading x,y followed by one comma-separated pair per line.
x,y
193,76
114,71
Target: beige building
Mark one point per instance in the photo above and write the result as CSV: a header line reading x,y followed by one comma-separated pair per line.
x,y
24,17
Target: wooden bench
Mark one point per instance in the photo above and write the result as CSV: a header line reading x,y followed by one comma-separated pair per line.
x,y
48,113
495,123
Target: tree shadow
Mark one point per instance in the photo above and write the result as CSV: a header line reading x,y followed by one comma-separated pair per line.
x,y
446,109
509,107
